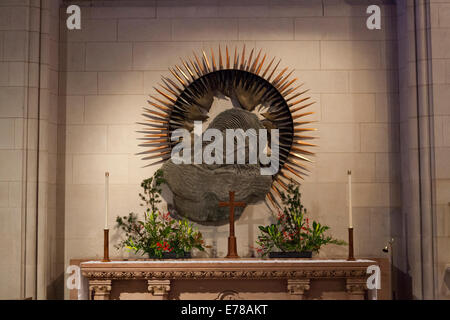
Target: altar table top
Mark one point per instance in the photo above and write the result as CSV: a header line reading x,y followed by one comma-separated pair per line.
x,y
225,268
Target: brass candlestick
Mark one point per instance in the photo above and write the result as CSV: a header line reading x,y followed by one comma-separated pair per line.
x,y
106,245
351,256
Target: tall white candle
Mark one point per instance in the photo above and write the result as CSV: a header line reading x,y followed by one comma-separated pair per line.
x,y
350,214
106,198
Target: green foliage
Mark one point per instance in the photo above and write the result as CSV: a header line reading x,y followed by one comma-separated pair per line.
x,y
158,233
292,231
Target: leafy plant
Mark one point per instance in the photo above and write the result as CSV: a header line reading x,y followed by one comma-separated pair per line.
x,y
292,231
158,233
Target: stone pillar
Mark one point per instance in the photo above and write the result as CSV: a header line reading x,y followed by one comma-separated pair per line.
x,y
159,289
99,289
356,288
297,287
422,49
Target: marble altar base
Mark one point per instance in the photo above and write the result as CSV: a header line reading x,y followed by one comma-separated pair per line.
x,y
211,279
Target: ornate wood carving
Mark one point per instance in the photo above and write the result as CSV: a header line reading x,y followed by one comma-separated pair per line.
x,y
159,288
99,289
159,274
297,287
356,288
224,274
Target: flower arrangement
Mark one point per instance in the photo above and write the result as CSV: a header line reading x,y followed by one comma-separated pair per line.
x,y
292,231
158,234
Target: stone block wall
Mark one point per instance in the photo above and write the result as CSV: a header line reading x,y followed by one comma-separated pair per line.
x,y
109,67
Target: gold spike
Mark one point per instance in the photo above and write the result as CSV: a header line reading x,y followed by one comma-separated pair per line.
x,y
242,58
157,135
165,95
302,150
255,62
157,121
279,84
186,66
206,61
297,102
279,76
153,126
235,58
269,196
296,95
276,191
289,91
220,59
213,60
283,174
296,163
228,57
199,64
302,115
261,64
305,129
165,109
158,148
277,179
162,101
268,79
196,69
303,137
182,72
301,123
173,84
156,113
304,143
168,89
249,60
177,76
157,155
293,171
155,162
299,156
157,141
302,107
284,87
267,69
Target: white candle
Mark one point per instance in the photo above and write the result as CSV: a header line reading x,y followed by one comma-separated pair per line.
x,y
106,198
350,214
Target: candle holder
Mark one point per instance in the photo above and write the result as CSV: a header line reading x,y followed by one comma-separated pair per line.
x,y
106,245
351,256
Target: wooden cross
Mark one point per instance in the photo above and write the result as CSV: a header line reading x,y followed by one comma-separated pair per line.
x,y
232,248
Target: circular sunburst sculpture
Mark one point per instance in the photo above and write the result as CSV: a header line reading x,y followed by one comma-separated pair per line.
x,y
257,98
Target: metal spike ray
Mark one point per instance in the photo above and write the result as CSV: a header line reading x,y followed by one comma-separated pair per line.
x,y
260,65
213,60
275,68
199,65
253,67
267,68
247,68
241,65
205,60
186,94
220,59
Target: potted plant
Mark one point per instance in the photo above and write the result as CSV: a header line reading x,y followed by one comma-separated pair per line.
x,y
158,235
292,235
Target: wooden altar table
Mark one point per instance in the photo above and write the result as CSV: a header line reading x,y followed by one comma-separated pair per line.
x,y
227,279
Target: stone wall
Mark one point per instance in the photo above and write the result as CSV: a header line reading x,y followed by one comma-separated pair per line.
x,y
423,54
440,41
109,67
28,109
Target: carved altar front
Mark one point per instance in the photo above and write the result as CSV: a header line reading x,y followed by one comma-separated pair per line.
x,y
227,279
